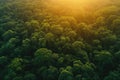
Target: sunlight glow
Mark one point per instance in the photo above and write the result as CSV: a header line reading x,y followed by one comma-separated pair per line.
x,y
73,3
77,3
74,7
70,3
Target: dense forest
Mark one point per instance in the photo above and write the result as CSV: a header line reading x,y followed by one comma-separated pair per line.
x,y
54,40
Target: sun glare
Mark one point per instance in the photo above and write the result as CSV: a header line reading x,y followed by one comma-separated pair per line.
x,y
77,3
70,3
73,4
74,7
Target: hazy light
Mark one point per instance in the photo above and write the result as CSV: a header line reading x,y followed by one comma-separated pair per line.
x,y
74,7
77,3
71,3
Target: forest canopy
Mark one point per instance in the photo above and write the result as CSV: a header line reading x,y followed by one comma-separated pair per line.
x,y
59,40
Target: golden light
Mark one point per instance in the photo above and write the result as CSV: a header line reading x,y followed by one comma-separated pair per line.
x,y
77,3
70,3
74,7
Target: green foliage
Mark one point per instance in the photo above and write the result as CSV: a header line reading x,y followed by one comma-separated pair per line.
x,y
16,64
65,75
43,57
3,60
29,76
41,40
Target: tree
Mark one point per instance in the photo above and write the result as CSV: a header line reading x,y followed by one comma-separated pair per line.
x,y
77,67
65,75
30,76
78,77
116,26
9,46
46,27
49,74
32,26
113,75
49,37
10,75
117,57
57,29
18,78
16,64
3,62
43,56
8,34
104,59
78,47
71,35
27,48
